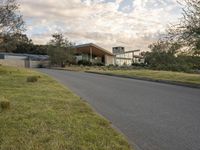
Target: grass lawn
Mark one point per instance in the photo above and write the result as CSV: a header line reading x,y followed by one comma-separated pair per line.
x,y
157,75
145,73
44,115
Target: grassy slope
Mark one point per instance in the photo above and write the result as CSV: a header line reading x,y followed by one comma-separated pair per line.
x,y
158,75
152,74
46,116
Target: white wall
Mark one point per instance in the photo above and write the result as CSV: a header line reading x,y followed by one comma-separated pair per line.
x,y
109,60
23,63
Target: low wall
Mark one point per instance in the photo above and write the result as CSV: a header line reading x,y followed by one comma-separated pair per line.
x,y
14,63
23,63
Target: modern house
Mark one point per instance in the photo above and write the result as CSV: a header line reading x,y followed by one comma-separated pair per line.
x,y
123,57
24,60
95,54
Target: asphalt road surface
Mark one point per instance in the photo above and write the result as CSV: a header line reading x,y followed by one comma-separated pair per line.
x,y
153,116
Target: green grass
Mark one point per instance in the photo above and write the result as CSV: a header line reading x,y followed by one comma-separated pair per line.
x,y
157,75
181,77
44,115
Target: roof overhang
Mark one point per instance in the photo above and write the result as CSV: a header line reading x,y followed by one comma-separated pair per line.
x,y
92,48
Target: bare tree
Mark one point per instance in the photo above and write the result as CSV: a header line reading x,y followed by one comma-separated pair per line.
x,y
10,17
187,32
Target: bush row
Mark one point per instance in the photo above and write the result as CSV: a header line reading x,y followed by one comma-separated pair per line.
x,y
88,63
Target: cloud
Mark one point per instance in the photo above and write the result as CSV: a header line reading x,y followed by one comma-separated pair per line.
x,y
100,21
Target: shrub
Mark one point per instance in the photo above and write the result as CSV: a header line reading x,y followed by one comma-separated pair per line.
x,y
99,64
40,66
84,63
5,104
162,60
138,64
32,79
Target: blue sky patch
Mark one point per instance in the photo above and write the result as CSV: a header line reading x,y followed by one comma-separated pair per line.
x,y
126,6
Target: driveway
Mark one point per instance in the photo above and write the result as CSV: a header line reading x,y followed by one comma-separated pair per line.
x,y
153,116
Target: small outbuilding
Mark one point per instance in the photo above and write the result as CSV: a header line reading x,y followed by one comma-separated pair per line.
x,y
24,60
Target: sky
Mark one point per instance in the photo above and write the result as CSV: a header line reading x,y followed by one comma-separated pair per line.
x,y
133,24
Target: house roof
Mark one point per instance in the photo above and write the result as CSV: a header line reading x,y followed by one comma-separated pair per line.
x,y
96,49
30,56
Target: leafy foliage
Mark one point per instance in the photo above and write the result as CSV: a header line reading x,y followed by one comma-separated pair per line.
x,y
166,61
187,32
165,46
20,43
167,54
10,17
84,63
11,25
15,42
61,50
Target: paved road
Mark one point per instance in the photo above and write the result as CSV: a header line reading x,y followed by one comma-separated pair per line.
x,y
153,116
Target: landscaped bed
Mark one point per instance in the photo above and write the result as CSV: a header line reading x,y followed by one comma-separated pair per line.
x,y
43,115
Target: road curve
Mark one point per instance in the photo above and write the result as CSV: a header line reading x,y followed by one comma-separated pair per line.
x,y
153,116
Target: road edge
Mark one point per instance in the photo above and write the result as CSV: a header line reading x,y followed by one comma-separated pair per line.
x,y
149,79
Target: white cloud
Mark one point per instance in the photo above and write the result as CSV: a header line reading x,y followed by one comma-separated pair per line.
x,y
99,22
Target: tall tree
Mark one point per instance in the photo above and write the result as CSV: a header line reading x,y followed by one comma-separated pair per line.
x,y
10,17
61,50
170,47
16,42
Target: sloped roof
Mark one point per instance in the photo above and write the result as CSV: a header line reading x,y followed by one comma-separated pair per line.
x,y
97,48
30,56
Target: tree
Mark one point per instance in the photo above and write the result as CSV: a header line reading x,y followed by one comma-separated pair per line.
x,y
7,44
166,54
170,47
187,32
11,23
38,49
16,42
163,56
10,17
61,50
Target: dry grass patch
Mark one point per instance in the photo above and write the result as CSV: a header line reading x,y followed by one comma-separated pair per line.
x,y
156,75
4,104
47,116
32,79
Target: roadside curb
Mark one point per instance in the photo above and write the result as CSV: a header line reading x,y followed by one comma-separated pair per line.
x,y
56,68
151,80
